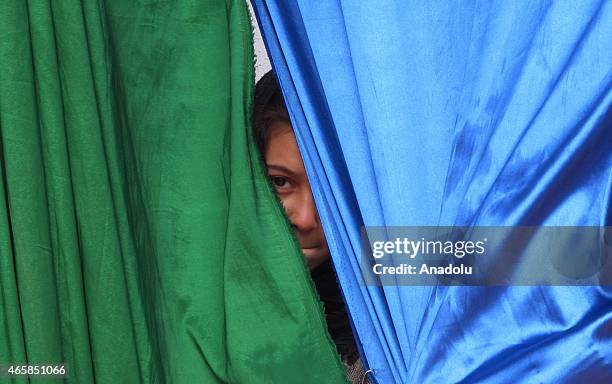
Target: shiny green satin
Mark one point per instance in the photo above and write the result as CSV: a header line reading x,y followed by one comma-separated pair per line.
x,y
139,240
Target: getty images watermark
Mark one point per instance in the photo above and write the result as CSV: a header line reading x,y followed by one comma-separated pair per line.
x,y
487,255
415,248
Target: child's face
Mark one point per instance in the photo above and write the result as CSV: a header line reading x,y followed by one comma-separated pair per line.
x,y
286,170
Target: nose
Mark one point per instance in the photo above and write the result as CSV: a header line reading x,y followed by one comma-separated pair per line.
x,y
303,214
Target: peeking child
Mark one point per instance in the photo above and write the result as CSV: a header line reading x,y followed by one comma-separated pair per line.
x,y
276,141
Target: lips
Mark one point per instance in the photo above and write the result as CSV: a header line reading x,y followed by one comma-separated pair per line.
x,y
309,251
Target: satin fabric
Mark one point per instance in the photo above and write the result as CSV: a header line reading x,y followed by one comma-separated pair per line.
x,y
462,113
139,238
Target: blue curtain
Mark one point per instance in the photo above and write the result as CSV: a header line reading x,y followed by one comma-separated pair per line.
x,y
456,113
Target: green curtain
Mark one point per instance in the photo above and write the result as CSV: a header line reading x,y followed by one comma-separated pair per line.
x,y
139,239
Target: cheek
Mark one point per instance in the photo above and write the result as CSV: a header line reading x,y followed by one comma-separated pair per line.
x,y
288,201
322,238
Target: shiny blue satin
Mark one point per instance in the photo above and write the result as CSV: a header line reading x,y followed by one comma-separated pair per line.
x,y
462,113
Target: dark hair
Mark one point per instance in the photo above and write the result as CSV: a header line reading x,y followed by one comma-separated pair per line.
x,y
268,108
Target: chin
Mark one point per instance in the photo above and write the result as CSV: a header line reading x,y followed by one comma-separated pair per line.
x,y
312,253
315,256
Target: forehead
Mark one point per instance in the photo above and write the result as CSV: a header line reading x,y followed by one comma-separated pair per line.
x,y
282,149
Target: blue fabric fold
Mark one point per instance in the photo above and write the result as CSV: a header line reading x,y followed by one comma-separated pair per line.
x,y
476,113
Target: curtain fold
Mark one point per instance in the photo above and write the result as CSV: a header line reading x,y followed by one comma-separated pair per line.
x,y
484,113
140,240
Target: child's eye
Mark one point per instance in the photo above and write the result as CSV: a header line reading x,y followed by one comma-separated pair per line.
x,y
279,181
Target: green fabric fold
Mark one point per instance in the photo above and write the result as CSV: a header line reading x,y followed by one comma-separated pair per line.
x,y
139,238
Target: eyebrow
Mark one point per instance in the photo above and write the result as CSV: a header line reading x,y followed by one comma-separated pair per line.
x,y
279,167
